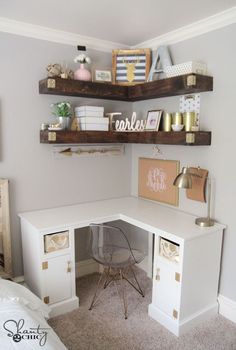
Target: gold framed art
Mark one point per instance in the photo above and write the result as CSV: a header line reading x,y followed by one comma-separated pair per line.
x,y
130,67
5,234
155,181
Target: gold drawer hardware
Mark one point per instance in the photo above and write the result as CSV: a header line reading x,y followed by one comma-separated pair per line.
x,y
190,137
158,277
191,80
177,277
68,266
46,300
51,83
52,136
175,313
45,265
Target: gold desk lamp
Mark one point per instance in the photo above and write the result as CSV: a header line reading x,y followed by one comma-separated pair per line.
x,y
184,180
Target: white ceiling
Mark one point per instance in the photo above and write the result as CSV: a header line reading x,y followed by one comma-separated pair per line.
x,y
125,21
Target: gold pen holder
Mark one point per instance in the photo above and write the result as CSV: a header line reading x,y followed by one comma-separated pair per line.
x,y
177,118
189,119
167,121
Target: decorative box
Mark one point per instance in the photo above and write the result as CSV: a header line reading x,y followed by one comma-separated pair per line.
x,y
56,241
186,68
89,111
94,123
169,250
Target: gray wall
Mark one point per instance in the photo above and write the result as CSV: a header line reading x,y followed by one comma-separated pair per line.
x,y
218,50
37,180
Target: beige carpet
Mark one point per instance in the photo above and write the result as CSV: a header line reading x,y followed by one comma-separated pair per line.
x,y
104,327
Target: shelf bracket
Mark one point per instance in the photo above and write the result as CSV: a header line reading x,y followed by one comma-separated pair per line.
x,y
190,138
52,136
51,83
191,80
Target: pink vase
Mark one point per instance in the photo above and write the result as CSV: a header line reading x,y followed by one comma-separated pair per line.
x,y
82,73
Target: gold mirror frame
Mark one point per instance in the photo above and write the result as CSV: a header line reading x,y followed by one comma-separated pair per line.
x,y
5,233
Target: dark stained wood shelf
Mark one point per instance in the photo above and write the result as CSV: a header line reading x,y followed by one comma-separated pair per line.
x,y
201,138
184,84
70,87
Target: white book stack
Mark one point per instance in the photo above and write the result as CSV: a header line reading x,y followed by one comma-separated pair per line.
x,y
92,118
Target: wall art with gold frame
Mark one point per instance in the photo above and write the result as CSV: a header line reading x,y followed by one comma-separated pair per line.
x,y
155,180
130,67
5,234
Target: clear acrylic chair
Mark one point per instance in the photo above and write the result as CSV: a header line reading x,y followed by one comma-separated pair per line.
x,y
109,246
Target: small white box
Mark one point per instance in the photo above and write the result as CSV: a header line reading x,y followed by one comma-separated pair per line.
x,y
80,114
89,108
89,123
186,68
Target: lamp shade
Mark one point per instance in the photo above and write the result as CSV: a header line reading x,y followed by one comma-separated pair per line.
x,y
183,180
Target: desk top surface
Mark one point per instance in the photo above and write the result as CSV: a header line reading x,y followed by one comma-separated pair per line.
x,y
145,214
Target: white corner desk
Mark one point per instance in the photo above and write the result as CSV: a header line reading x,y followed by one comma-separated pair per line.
x,y
184,291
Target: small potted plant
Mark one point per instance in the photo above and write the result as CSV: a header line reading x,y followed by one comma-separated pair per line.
x,y
63,112
82,73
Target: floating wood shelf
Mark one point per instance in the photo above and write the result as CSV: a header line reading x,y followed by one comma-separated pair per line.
x,y
184,84
199,138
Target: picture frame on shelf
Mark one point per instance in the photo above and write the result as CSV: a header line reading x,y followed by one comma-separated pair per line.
x,y
130,67
102,75
153,120
155,180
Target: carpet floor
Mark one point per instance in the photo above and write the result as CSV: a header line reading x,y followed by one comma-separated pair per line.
x,y
104,328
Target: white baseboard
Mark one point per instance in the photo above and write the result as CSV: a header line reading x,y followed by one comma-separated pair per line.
x,y
227,308
86,267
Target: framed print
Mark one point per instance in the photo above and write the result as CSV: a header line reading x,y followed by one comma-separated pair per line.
x,y
153,120
130,67
155,180
102,76
5,235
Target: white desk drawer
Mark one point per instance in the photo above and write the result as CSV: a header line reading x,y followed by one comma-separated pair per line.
x,y
169,250
56,241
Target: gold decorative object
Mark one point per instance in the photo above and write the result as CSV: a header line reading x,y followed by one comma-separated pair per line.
x,y
177,118
167,121
127,60
189,119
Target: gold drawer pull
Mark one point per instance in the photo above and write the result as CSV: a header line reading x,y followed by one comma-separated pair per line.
x,y
69,266
158,277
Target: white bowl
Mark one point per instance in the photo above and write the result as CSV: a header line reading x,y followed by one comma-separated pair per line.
x,y
177,127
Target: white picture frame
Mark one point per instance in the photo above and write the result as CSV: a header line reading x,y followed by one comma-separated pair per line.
x,y
153,120
102,76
